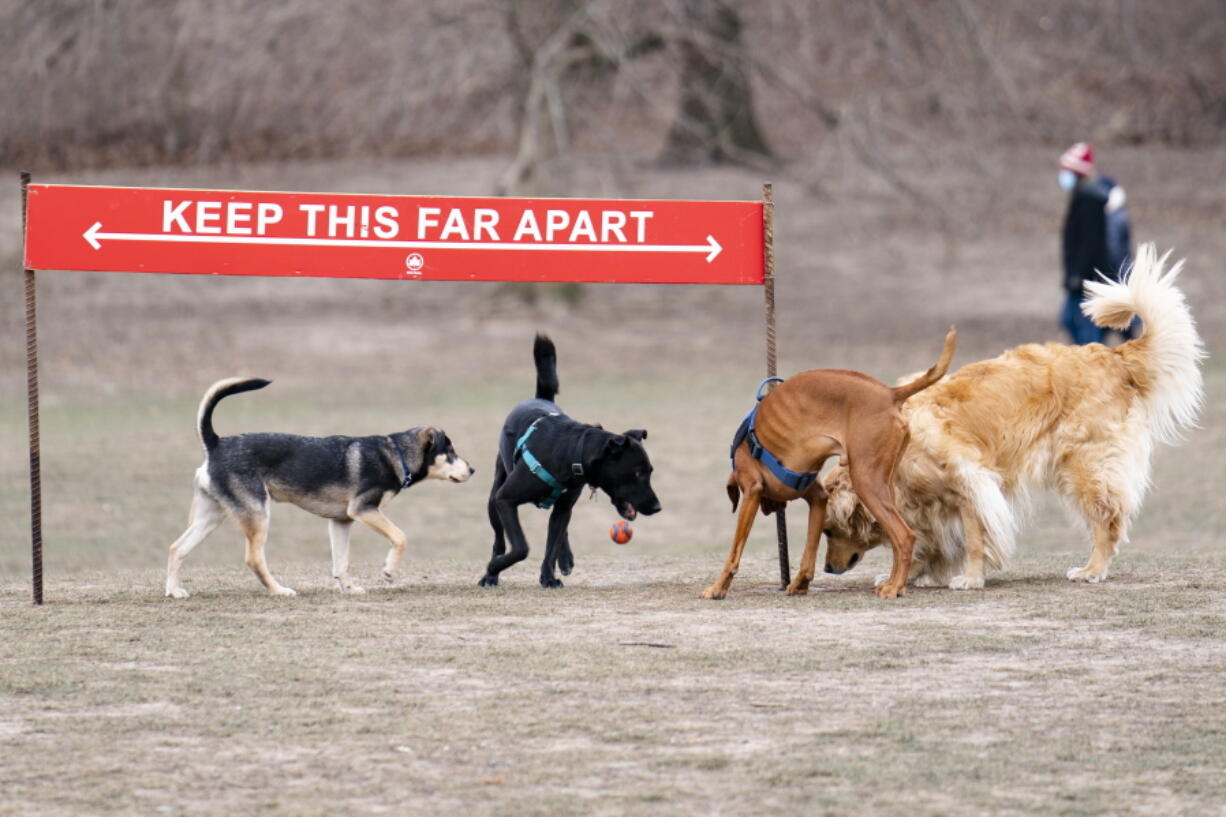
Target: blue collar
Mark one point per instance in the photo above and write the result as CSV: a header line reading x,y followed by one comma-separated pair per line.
x,y
793,479
534,465
408,475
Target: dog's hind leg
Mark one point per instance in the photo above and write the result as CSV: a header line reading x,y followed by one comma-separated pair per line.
x,y
500,543
752,500
504,504
1103,508
255,528
206,514
877,495
507,514
338,534
808,561
971,577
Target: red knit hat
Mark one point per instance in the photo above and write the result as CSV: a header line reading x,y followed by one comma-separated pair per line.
x,y
1079,159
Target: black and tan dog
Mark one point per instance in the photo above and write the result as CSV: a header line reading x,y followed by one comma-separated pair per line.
x,y
546,458
339,478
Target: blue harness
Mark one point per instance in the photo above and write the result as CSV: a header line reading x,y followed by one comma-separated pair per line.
x,y
745,432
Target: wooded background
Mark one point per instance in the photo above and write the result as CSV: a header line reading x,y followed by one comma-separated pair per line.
x,y
893,86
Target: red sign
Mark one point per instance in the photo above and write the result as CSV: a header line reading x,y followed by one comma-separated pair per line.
x,y
428,238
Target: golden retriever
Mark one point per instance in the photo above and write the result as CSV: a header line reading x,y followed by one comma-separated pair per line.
x,y
1080,419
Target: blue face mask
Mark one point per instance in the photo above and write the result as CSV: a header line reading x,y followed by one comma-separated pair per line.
x,y
1067,179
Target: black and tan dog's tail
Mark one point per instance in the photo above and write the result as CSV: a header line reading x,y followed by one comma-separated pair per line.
x,y
934,374
217,391
546,358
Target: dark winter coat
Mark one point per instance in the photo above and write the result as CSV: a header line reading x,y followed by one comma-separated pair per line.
x,y
1085,234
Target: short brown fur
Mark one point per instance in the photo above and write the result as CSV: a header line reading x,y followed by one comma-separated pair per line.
x,y
804,421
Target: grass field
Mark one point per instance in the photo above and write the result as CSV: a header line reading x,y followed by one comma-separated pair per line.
x,y
622,693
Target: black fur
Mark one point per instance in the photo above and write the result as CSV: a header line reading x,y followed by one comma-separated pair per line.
x,y
615,463
546,358
343,479
207,435
301,470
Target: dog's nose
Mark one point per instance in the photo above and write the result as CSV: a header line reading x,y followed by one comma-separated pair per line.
x,y
829,569
655,508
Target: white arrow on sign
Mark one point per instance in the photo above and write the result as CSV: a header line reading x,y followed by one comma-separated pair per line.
x,y
95,236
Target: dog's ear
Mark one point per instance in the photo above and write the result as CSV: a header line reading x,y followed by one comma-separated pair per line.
x,y
639,434
734,491
438,442
840,498
614,442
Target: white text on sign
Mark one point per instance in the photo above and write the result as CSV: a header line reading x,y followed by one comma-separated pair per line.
x,y
246,218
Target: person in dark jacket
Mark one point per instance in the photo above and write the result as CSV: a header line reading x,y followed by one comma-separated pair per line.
x,y
1096,236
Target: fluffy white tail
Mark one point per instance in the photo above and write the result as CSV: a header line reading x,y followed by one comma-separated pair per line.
x,y
995,513
1168,352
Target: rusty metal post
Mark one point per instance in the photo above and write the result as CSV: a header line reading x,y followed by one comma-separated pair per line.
x,y
768,288
36,470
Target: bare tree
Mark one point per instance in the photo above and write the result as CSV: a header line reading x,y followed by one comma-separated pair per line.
x,y
715,118
553,40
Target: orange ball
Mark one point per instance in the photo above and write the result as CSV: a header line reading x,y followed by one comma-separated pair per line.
x,y
621,532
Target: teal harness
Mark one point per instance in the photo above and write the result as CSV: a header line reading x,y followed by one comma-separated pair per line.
x,y
534,465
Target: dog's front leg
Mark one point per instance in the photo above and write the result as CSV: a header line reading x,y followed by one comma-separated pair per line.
x,y
744,522
388,529
559,519
566,557
338,533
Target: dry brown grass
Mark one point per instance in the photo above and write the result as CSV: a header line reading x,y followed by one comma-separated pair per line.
x,y
1032,697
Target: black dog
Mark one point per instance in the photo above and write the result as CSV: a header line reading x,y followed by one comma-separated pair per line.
x,y
546,458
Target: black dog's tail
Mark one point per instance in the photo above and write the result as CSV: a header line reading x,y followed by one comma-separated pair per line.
x,y
220,389
546,358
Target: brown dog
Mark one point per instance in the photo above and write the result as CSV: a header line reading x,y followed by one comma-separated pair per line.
x,y
804,421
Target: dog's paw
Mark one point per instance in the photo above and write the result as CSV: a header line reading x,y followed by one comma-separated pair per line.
x,y
798,587
1083,574
889,591
282,590
488,580
176,593
550,582
966,583
925,580
346,585
714,592
388,577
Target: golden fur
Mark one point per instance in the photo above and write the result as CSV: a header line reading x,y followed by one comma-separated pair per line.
x,y
1080,419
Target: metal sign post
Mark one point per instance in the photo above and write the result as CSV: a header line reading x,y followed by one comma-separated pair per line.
x,y
768,290
36,469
